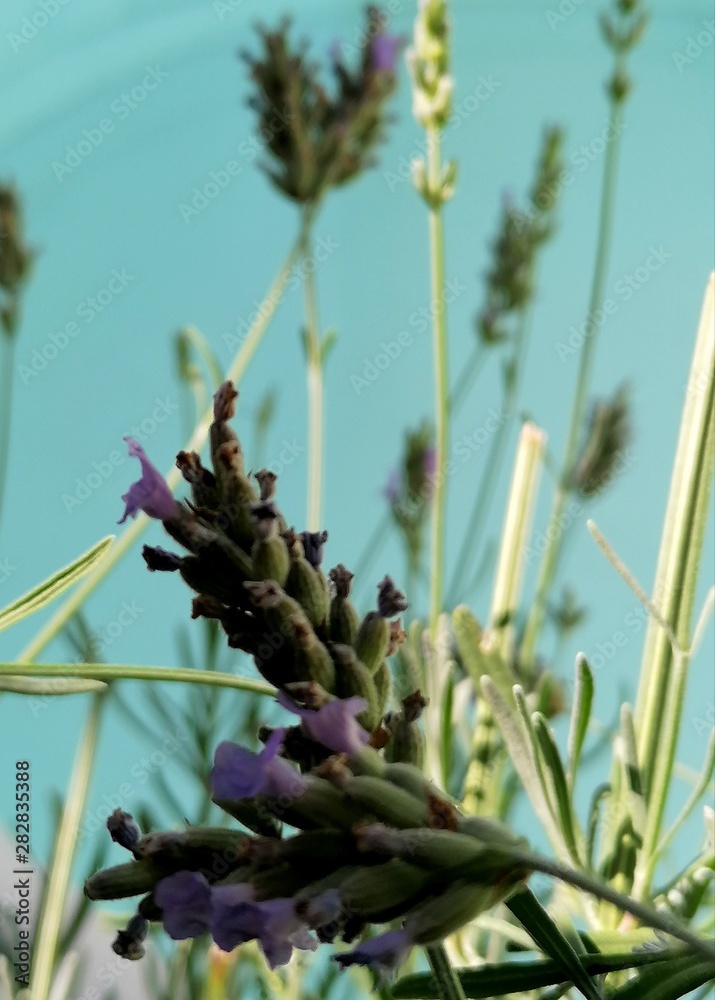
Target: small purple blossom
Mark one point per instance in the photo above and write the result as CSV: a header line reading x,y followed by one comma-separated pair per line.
x,y
185,901
150,493
334,724
383,953
236,918
385,49
313,542
282,930
233,917
239,773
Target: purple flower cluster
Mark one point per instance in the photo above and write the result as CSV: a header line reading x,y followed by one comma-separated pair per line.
x,y
191,907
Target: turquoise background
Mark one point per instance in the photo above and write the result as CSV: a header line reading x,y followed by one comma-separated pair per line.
x,y
119,210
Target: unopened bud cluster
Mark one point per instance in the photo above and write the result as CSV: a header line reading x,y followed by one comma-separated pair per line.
x,y
320,137
428,59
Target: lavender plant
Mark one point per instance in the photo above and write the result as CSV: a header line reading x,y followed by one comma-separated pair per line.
x,y
366,796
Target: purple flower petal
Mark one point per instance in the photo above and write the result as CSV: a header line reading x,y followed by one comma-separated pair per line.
x,y
240,774
334,724
281,931
235,918
185,901
385,49
150,493
382,953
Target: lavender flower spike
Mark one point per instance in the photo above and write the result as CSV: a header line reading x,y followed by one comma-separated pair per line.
x,y
334,724
150,493
240,774
382,953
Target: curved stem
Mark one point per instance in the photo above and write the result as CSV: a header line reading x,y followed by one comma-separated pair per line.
x,y
554,534
315,382
235,372
119,672
61,867
439,498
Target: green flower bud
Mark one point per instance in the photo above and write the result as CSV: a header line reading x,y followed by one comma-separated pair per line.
x,y
372,640
320,805
407,741
383,684
409,777
352,678
198,848
391,804
312,660
270,560
280,611
132,879
344,619
253,814
307,585
440,916
383,892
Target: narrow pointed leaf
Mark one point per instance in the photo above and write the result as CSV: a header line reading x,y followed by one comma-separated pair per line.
x,y
580,717
53,586
549,937
677,979
552,759
511,977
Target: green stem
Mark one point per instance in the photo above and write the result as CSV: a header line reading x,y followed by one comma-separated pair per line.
x,y
554,532
468,374
315,382
657,919
60,870
235,372
7,351
119,672
439,499
448,983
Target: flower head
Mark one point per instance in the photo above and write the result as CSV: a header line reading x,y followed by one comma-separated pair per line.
x,y
333,724
239,773
150,493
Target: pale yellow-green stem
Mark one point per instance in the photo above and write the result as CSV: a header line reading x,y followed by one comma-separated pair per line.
x,y
441,375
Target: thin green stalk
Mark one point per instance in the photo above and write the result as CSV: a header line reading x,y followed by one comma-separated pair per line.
x,y
554,532
235,372
439,498
314,361
448,982
108,672
467,376
7,355
657,919
59,873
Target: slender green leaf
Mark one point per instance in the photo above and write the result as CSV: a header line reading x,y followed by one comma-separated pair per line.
x,y
552,758
632,771
520,977
53,586
328,344
548,936
677,979
580,717
522,758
